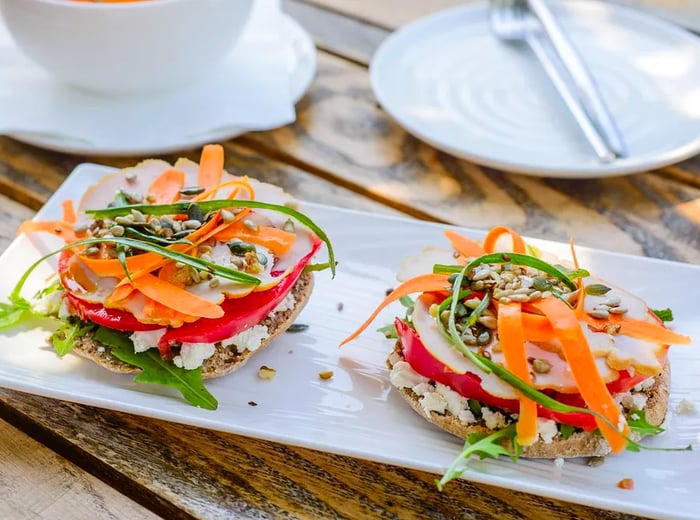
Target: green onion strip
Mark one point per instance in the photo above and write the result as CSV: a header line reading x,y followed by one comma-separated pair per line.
x,y
215,205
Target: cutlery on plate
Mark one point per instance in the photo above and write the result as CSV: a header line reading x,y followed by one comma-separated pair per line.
x,y
531,21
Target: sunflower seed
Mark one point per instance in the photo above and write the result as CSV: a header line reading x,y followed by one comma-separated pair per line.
x,y
124,221
227,216
488,321
599,313
618,310
191,224
117,231
251,225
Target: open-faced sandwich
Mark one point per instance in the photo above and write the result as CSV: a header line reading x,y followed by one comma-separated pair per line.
x,y
522,356
176,273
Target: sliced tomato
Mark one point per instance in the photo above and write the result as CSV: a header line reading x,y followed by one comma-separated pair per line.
x,y
239,313
110,318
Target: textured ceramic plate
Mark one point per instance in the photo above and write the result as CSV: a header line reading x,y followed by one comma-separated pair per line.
x,y
356,412
450,82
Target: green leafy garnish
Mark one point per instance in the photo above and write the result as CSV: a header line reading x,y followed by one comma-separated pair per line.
x,y
156,370
566,430
389,331
663,314
312,268
215,205
193,261
63,339
476,313
597,289
482,446
637,422
12,314
407,302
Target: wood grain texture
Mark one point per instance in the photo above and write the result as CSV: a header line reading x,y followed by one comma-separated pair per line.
x,y
387,13
37,483
184,472
11,215
30,175
341,134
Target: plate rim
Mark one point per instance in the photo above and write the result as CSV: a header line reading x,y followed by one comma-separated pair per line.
x,y
301,76
620,167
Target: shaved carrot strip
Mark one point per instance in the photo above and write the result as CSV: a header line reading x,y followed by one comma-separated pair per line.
x,y
146,262
177,298
496,232
69,216
211,166
274,239
583,367
419,284
58,228
165,188
537,328
465,246
239,183
639,329
119,294
512,340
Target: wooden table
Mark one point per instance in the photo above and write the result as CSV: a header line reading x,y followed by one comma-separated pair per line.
x,y
62,460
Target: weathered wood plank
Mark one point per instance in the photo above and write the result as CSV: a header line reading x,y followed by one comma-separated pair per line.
x,y
11,214
214,475
343,135
388,14
36,483
30,175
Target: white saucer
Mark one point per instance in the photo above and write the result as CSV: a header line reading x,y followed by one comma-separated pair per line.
x,y
448,81
301,70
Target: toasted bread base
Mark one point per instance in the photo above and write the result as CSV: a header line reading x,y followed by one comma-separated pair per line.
x,y
579,444
226,359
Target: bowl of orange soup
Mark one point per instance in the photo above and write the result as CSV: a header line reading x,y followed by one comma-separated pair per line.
x,y
129,46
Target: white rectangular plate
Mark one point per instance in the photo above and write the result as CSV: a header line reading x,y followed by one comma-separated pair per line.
x,y
357,413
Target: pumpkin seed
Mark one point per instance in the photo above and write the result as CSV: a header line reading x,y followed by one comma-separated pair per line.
x,y
190,191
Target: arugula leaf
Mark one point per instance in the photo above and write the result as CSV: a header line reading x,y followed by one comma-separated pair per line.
x,y
15,312
637,422
48,290
389,331
482,446
663,314
63,339
156,370
566,430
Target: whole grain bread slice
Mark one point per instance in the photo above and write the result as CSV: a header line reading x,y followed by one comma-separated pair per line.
x,y
579,444
225,359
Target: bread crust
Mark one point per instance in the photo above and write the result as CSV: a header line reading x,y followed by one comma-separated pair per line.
x,y
579,444
225,359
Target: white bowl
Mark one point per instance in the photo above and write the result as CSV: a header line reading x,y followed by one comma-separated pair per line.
x,y
126,48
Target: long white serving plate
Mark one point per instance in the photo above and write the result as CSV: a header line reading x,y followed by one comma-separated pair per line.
x,y
357,413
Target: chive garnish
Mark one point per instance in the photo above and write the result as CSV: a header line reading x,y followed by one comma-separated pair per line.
x,y
215,205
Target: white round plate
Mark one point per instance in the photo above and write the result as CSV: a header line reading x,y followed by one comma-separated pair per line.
x,y
302,68
447,80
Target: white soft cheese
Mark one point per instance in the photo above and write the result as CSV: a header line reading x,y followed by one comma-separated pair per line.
x,y
644,385
403,376
455,402
250,339
287,304
546,429
49,304
433,402
493,420
192,355
466,416
685,407
145,339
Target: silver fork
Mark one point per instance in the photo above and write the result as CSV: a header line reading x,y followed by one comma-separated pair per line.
x,y
512,20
